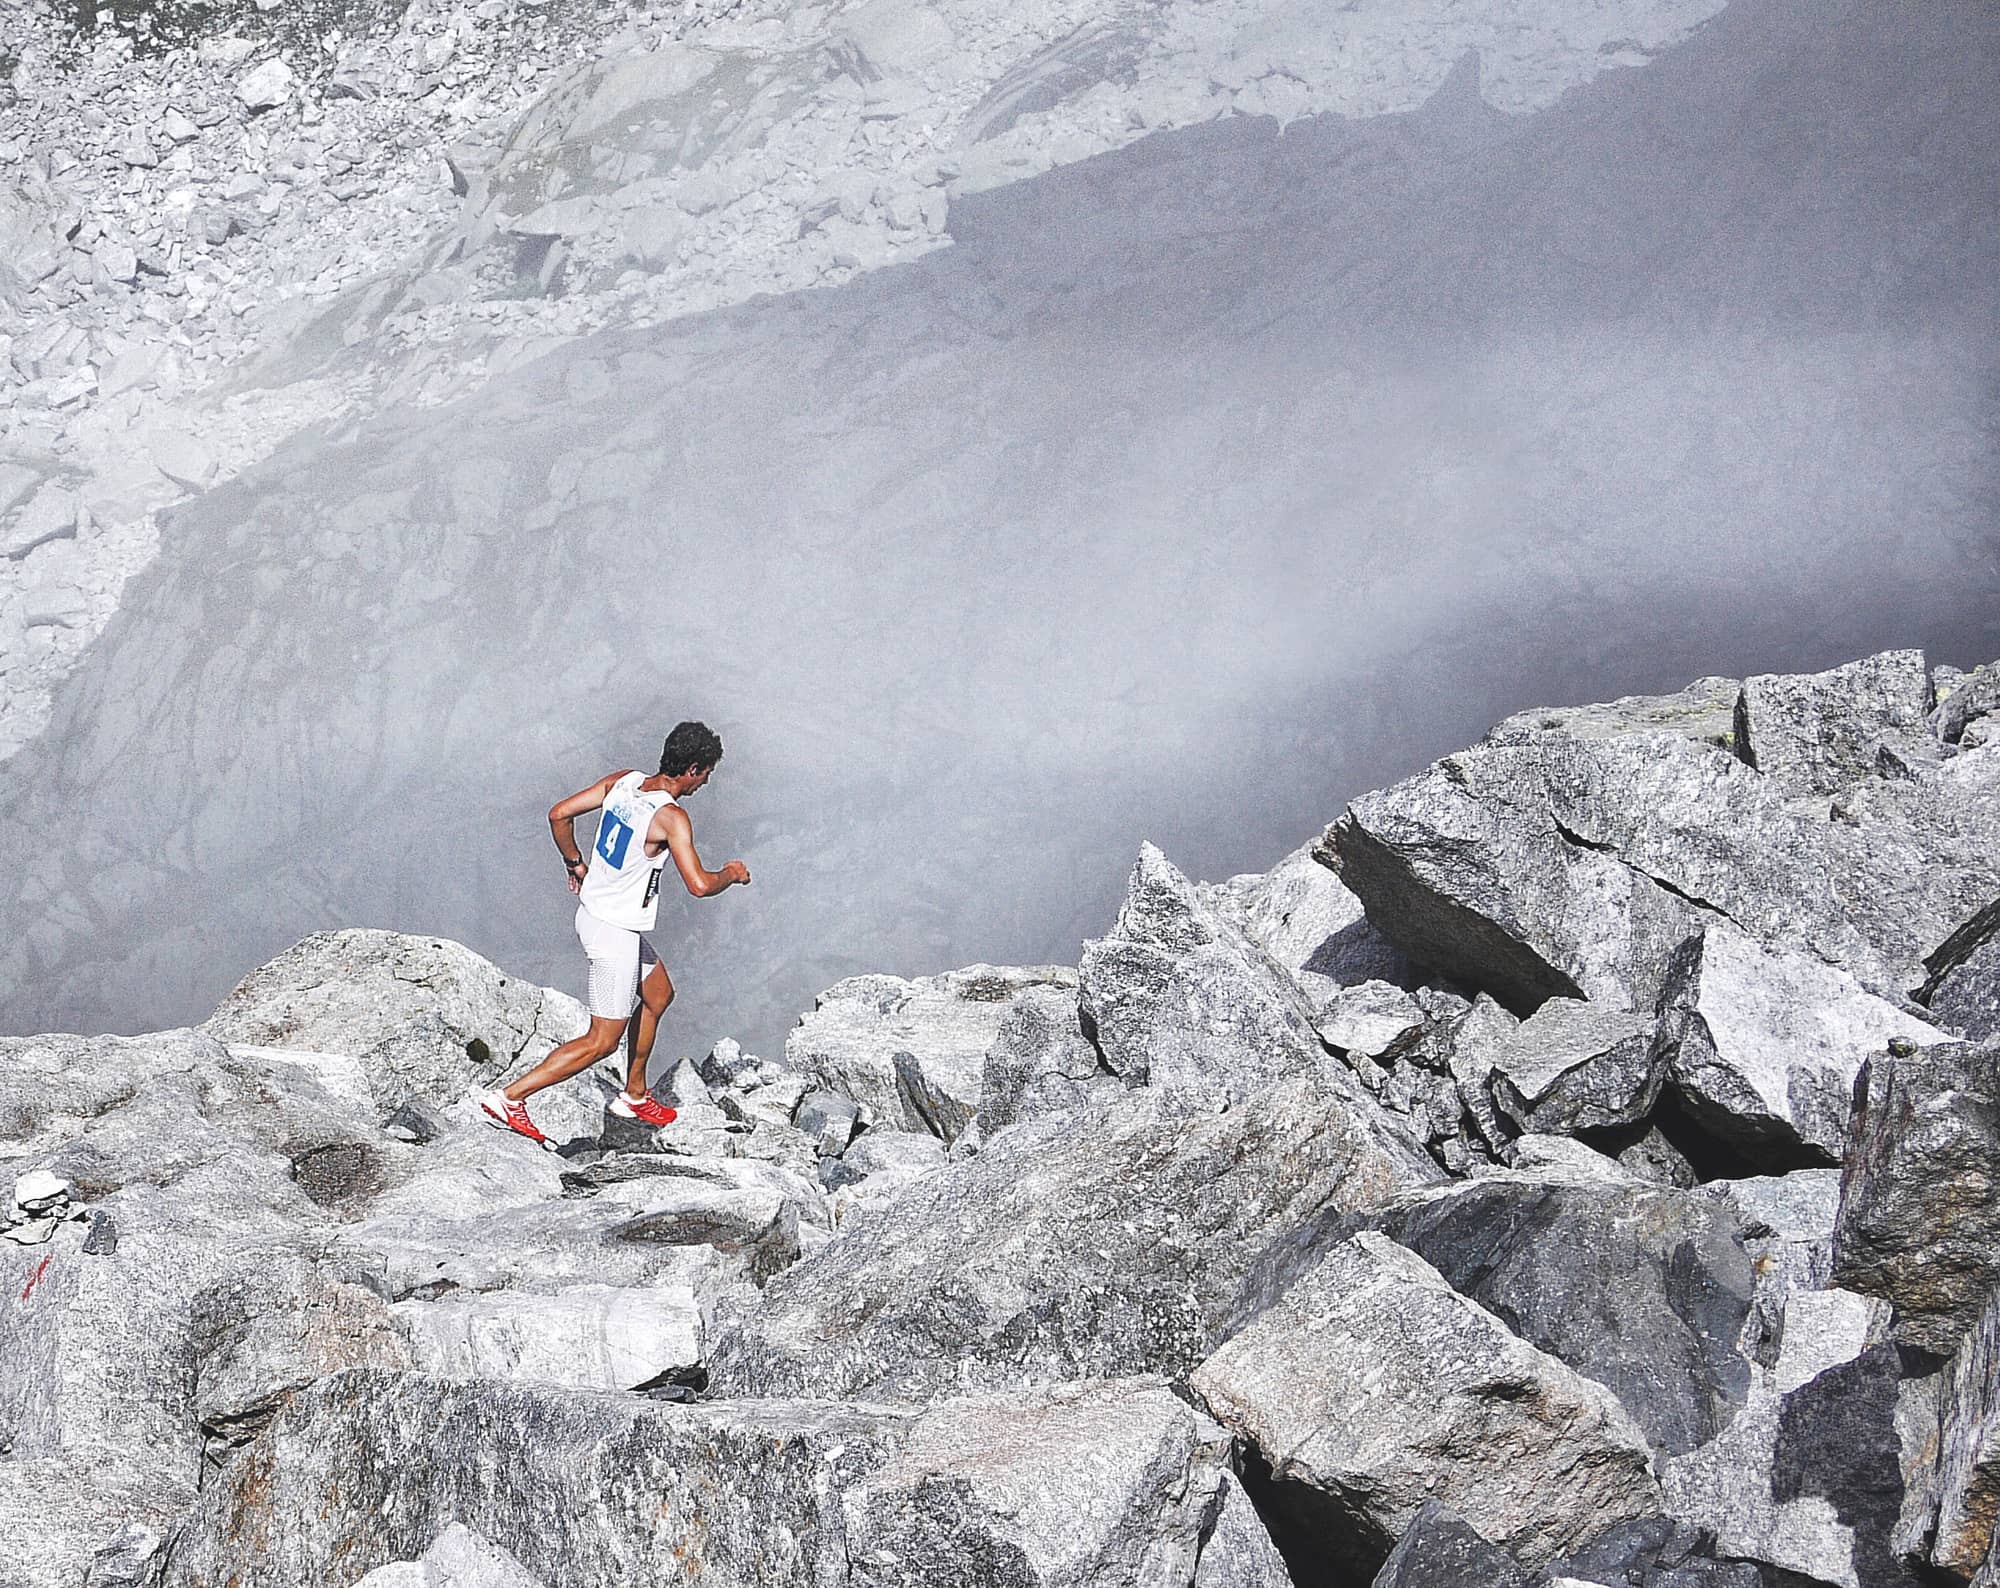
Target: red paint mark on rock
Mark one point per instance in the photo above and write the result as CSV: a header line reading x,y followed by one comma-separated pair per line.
x,y
35,1278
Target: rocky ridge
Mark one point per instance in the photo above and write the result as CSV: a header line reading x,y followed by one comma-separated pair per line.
x,y
1445,1209
221,224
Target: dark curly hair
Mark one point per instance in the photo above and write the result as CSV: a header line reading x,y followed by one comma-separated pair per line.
x,y
689,748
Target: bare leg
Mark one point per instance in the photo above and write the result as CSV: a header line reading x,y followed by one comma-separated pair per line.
x,y
579,1053
655,993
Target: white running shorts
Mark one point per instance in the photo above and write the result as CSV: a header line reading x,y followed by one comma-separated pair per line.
x,y
618,958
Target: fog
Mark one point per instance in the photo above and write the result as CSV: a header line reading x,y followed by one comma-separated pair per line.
x,y
1198,488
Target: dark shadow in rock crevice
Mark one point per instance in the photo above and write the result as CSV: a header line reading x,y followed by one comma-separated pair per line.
x,y
1323,1545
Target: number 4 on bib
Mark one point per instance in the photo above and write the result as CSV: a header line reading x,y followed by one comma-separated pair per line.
x,y
613,839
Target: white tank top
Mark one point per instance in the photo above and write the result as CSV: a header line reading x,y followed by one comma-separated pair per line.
x,y
622,886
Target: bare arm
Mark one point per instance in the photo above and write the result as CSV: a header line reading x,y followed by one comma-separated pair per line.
x,y
673,828
562,822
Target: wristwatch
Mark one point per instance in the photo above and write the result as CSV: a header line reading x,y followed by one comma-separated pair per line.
x,y
571,865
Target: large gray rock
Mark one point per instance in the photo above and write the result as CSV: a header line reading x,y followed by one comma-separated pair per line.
x,y
1819,733
1302,915
542,1248
1763,1045
1573,1066
233,1180
1128,1236
1789,1224
469,1170
1440,1549
1967,701
1969,999
1372,1018
1238,1552
209,1167
1470,1048
232,1140
830,1120
270,1329
876,1169
635,1177
347,991
755,1227
1810,1477
913,1051
596,1337
429,1062
1040,1062
1653,1552
218,1127
1642,1288
1964,990
1562,1159
1920,1193
1180,999
459,1558
744,1213
1704,711
1917,862
1373,1387
1953,1527
1714,834
411,1025
1085,1484
1921,1404
1574,868
1803,1207
96,1402
1536,868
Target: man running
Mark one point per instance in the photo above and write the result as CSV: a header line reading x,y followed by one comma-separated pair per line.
x,y
619,887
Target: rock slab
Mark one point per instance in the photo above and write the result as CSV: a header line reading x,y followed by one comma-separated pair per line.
x,y
1373,1387
1085,1484
913,1051
1642,1288
1128,1236
1763,1044
1920,1189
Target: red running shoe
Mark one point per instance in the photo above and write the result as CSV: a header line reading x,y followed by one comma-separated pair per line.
x,y
643,1109
505,1114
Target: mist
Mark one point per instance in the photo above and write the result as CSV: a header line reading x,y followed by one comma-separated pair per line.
x,y
1196,489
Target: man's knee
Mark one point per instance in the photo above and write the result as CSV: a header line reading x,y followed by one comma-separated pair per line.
x,y
656,991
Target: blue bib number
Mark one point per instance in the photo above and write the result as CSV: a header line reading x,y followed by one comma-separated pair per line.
x,y
613,839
